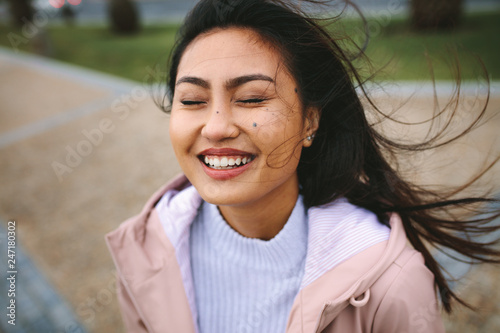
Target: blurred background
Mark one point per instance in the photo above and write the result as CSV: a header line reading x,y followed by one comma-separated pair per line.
x,y
83,145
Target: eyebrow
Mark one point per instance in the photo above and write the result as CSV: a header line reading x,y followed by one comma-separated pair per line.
x,y
241,80
193,80
230,84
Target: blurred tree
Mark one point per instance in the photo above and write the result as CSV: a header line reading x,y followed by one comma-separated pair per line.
x,y
68,14
435,14
124,17
21,11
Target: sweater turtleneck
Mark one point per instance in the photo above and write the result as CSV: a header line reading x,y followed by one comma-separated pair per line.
x,y
246,284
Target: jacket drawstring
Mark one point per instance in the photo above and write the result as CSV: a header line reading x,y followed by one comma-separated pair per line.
x,y
360,300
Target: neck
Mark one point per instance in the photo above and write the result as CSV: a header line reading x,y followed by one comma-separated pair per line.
x,y
265,218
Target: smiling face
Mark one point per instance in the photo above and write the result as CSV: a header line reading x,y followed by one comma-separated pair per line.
x,y
237,124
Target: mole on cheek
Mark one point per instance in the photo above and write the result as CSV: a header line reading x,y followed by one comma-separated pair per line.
x,y
254,124
296,91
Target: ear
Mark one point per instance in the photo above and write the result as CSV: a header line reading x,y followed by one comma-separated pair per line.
x,y
311,125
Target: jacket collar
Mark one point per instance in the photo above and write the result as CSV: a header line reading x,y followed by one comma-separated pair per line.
x,y
146,265
146,259
316,306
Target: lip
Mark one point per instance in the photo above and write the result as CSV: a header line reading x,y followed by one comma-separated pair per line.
x,y
224,174
224,152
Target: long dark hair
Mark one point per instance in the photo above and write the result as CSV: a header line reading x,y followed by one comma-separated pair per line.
x,y
348,157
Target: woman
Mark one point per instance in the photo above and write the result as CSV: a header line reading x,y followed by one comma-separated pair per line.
x,y
288,217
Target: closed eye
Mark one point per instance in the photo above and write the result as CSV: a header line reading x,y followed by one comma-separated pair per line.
x,y
191,102
253,101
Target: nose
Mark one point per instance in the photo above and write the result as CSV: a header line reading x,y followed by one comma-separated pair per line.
x,y
220,123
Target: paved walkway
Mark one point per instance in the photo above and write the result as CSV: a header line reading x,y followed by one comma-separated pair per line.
x,y
38,306
81,151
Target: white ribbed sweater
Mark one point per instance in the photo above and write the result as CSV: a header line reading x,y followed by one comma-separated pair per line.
x,y
243,284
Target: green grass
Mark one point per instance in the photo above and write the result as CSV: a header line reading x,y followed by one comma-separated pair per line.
x,y
393,47
130,57
404,51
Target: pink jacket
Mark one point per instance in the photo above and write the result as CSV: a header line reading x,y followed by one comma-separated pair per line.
x,y
384,289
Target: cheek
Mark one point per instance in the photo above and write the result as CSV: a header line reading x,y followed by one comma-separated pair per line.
x,y
173,125
281,139
180,132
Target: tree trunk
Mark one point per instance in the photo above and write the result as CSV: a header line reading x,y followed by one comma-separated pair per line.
x,y
435,14
21,12
124,17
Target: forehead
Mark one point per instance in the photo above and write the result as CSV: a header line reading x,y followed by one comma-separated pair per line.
x,y
229,52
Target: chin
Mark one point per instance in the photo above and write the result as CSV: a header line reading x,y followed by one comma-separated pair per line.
x,y
216,196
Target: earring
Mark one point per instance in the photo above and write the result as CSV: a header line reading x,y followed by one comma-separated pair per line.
x,y
309,138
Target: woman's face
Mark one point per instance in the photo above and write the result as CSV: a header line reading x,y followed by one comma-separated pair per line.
x,y
236,125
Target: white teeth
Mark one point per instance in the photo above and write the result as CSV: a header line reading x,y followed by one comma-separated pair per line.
x,y
226,162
